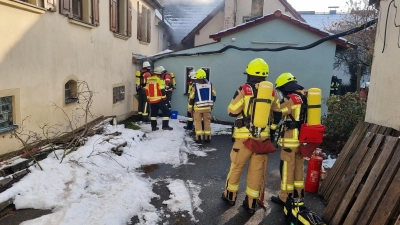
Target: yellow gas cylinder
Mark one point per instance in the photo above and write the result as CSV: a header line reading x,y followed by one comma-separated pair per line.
x,y
137,77
173,79
262,104
314,99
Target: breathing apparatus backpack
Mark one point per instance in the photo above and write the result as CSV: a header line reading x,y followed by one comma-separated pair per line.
x,y
259,106
297,214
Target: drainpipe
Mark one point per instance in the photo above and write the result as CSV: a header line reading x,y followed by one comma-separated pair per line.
x,y
234,14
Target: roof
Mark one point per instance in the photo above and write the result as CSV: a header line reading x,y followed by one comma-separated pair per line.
x,y
341,42
208,18
154,3
289,7
221,8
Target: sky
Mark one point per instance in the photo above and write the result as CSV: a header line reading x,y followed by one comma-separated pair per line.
x,y
317,5
80,189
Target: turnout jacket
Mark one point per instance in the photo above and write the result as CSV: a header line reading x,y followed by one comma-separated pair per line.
x,y
239,107
155,89
195,93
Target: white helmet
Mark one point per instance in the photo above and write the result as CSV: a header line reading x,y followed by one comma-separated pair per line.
x,y
366,84
146,64
158,70
163,69
192,75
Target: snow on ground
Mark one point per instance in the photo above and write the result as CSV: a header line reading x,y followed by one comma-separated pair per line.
x,y
92,185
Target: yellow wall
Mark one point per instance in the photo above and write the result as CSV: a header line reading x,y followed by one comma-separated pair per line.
x,y
41,50
383,99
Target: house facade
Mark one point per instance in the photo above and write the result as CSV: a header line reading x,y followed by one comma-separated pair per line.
x,y
312,67
231,13
382,107
48,47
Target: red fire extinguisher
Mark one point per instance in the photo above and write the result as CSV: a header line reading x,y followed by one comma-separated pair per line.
x,y
313,174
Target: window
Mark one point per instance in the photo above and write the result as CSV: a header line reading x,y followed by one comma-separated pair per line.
x,y
118,94
207,70
187,78
121,17
71,94
86,11
6,114
143,23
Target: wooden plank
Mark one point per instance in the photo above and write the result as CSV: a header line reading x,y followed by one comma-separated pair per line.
x,y
354,178
397,222
373,177
346,179
345,164
356,185
381,188
342,156
389,203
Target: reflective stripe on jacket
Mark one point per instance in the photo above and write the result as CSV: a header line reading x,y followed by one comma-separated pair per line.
x,y
193,105
155,89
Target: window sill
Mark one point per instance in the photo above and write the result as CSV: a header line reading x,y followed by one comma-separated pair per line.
x,y
118,103
23,6
71,100
8,129
121,36
144,43
81,23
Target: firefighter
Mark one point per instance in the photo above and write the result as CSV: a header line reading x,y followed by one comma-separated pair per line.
x,y
293,102
335,85
192,77
155,91
141,78
169,85
202,97
244,109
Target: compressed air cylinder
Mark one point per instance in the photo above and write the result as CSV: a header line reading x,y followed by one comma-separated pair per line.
x,y
314,99
173,79
263,104
137,77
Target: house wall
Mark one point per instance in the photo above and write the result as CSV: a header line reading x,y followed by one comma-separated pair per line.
x,y
384,81
40,52
270,6
312,67
212,27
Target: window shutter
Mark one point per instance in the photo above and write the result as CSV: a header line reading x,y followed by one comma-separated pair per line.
x,y
95,13
113,15
139,22
50,5
66,7
129,23
148,25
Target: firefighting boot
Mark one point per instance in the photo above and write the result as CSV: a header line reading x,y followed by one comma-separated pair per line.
x,y
229,197
250,204
189,125
198,139
154,125
207,138
165,125
277,200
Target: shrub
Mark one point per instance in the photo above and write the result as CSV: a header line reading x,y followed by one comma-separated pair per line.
x,y
344,112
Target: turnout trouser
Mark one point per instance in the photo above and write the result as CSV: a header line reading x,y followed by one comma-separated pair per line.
x,y
292,173
163,106
239,157
198,117
143,107
169,98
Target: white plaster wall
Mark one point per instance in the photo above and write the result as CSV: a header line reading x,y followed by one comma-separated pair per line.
x,y
39,53
383,105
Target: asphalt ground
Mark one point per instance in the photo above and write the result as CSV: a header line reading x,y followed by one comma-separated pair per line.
x,y
209,172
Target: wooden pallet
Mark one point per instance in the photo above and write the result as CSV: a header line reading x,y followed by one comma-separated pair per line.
x,y
364,187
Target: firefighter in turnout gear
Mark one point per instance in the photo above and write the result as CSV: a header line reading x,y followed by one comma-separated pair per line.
x,y
169,84
293,103
155,91
254,118
201,101
335,86
141,78
192,77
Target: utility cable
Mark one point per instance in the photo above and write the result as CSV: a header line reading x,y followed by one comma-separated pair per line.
x,y
316,43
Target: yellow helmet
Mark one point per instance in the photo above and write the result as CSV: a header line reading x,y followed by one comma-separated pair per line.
x,y
201,74
258,67
283,79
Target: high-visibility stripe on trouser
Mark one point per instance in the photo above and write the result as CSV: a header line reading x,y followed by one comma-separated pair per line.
x,y
239,157
292,173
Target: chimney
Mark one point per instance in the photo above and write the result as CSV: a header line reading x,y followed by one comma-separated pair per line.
x,y
229,14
